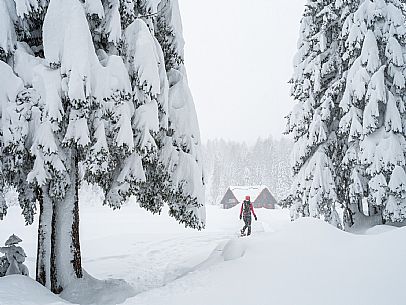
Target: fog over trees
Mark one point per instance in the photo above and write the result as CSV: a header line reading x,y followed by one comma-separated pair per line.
x,y
228,163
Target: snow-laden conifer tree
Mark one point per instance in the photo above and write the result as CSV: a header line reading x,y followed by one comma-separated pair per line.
x,y
374,110
367,156
316,84
102,94
15,158
345,10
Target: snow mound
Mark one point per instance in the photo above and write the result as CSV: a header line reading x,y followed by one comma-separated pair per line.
x,y
312,228
234,249
93,291
174,272
227,250
380,229
15,288
21,290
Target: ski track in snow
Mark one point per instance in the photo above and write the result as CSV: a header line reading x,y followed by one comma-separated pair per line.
x,y
154,264
162,258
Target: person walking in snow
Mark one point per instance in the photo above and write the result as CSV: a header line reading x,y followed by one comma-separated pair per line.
x,y
246,209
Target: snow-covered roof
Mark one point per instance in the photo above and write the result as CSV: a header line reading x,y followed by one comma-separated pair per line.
x,y
253,191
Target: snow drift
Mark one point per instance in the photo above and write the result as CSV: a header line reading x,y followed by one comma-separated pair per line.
x,y
19,289
307,262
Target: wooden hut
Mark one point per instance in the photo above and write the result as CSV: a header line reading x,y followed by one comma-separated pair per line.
x,y
261,197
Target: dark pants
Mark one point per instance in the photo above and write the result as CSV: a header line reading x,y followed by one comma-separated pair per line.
x,y
247,221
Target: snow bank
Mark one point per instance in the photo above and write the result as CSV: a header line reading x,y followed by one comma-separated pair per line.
x,y
24,290
234,249
225,251
307,263
379,229
92,291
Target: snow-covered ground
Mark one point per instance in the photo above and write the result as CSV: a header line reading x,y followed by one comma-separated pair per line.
x,y
305,262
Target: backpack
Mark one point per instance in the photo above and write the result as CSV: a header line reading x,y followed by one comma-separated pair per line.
x,y
246,207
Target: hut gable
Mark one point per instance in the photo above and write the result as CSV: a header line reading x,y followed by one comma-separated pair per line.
x,y
229,200
265,200
260,196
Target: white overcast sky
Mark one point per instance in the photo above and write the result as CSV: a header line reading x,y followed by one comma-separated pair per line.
x,y
239,55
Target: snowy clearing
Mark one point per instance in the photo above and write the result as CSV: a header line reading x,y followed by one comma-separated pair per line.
x,y
305,262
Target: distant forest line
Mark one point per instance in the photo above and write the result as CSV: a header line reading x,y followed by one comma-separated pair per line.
x,y
267,162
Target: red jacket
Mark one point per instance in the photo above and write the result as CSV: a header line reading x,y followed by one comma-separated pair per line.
x,y
251,208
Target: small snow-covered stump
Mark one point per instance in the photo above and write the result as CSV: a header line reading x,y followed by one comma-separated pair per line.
x,y
14,257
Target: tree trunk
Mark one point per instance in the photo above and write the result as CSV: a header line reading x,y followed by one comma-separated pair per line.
x,y
351,215
43,268
54,281
67,265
